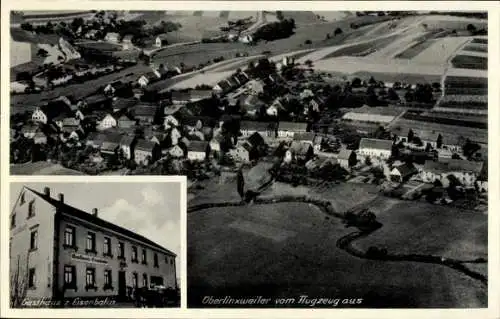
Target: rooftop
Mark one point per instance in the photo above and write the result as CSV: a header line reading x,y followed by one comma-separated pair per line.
x,y
375,144
71,211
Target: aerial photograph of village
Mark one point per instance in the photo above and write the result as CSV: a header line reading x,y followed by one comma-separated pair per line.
x,y
333,158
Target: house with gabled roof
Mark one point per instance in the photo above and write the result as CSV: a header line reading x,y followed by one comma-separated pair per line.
x,y
265,129
107,122
375,148
125,121
148,78
289,129
146,152
198,150
403,172
127,144
466,172
346,158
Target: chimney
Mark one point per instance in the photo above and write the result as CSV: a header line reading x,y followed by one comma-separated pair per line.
x,y
61,197
46,191
95,212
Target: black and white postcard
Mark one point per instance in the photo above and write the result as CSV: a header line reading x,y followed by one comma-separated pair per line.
x,y
336,156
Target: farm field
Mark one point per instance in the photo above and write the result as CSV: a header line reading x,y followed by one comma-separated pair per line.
x,y
415,49
470,62
429,229
289,249
476,48
440,51
362,49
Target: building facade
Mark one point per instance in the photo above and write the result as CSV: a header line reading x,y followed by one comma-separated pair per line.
x,y
58,251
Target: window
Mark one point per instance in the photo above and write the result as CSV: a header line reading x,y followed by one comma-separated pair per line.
x,y
22,200
69,277
69,236
108,281
31,278
34,240
134,254
107,246
134,280
90,278
144,280
31,209
172,261
13,221
90,242
121,250
144,257
156,260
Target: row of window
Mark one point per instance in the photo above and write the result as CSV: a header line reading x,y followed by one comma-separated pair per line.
x,y
90,278
69,241
31,211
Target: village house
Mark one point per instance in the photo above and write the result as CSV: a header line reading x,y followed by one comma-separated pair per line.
x,y
307,137
91,34
112,37
215,143
127,144
161,40
95,139
256,87
107,122
482,179
198,150
175,135
145,113
123,104
289,129
241,153
29,130
251,104
170,121
402,173
110,145
180,98
97,102
265,129
298,152
466,172
375,148
40,138
222,87
125,121
148,78
346,159
247,39
146,152
176,151
127,42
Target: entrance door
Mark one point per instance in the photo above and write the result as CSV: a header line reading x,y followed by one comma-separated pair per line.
x,y
122,287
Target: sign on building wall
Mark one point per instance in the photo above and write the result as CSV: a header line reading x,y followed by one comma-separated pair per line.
x,y
89,259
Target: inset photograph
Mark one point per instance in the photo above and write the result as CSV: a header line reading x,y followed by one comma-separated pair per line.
x,y
97,244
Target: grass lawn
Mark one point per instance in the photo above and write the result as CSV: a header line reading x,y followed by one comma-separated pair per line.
x,y
289,250
414,50
411,227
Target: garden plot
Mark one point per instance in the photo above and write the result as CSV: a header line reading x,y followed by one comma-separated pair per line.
x,y
394,47
440,51
474,62
475,47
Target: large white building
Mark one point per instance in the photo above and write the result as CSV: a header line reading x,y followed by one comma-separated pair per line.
x,y
371,147
58,251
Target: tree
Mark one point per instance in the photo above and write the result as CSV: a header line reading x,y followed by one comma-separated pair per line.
x,y
356,82
392,95
337,31
471,28
280,16
19,283
368,161
439,141
428,147
308,41
240,180
411,135
27,26
309,63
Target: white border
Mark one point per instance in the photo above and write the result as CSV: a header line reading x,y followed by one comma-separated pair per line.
x,y
494,178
